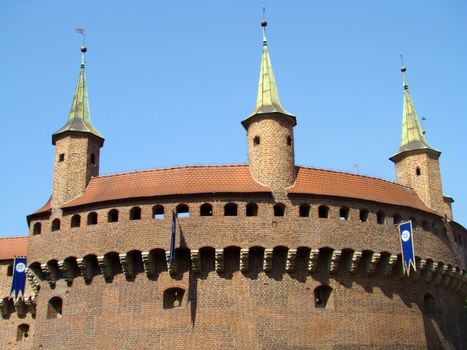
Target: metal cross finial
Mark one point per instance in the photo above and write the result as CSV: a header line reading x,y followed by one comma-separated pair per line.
x,y
83,33
264,12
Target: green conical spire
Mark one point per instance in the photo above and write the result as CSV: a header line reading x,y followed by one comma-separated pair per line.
x,y
268,97
413,136
79,119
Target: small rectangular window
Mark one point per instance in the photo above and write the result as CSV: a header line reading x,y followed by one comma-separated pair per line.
x,y
61,157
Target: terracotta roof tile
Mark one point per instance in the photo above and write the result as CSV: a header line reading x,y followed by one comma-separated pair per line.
x,y
340,184
13,246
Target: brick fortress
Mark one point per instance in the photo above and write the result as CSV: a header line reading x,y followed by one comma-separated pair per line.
x,y
268,255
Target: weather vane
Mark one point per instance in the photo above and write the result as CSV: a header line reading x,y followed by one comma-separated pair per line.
x,y
83,33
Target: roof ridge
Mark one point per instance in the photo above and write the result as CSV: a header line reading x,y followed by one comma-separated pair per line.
x,y
357,175
170,168
14,237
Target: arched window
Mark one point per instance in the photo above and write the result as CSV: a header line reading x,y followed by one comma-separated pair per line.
x,y
56,225
323,211
380,217
304,210
322,294
252,209
92,218
279,209
135,213
289,141
22,332
256,141
230,209
9,271
429,304
158,212
418,171
37,228
396,219
54,308
363,215
173,298
113,215
426,225
75,221
344,213
93,159
205,209
183,211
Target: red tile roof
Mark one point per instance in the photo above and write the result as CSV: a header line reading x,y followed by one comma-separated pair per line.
x,y
13,246
238,179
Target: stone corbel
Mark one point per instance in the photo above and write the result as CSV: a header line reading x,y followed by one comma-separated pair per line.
x,y
421,265
356,257
440,271
429,270
335,258
219,255
313,260
31,304
20,307
65,271
195,261
373,263
106,269
49,275
244,257
126,262
4,307
172,268
291,260
85,268
388,267
267,263
149,264
32,280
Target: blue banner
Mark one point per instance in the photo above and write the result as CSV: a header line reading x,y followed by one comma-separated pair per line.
x,y
172,238
408,255
19,277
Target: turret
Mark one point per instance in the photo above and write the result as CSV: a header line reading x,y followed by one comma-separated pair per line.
x,y
77,147
417,164
270,132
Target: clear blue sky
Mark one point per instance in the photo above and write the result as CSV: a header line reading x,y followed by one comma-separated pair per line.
x,y
170,81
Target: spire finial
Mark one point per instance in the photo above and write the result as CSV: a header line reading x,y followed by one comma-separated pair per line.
x,y
264,24
403,70
83,46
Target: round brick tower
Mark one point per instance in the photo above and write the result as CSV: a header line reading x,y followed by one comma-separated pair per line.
x,y
270,132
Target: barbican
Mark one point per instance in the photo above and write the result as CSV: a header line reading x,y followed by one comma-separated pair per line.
x,y
267,255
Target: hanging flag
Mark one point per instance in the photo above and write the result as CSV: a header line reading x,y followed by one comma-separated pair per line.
x,y
408,256
172,238
19,277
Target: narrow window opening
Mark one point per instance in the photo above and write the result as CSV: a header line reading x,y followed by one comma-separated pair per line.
x,y
183,211
256,140
252,209
37,228
323,211
396,218
135,213
92,218
9,271
54,308
158,212
429,305
22,332
289,141
322,294
113,216
205,209
380,217
61,157
75,221
93,158
173,298
304,210
56,225
363,215
344,213
279,209
230,209
418,171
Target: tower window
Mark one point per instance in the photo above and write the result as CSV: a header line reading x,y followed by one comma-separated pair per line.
x,y
135,213
112,216
396,219
205,210
323,211
380,217
252,209
93,158
173,298
363,215
344,213
230,209
289,141
92,218
36,230
279,209
56,225
9,271
54,308
61,157
256,140
418,171
322,294
183,211
75,221
304,210
22,332
158,212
